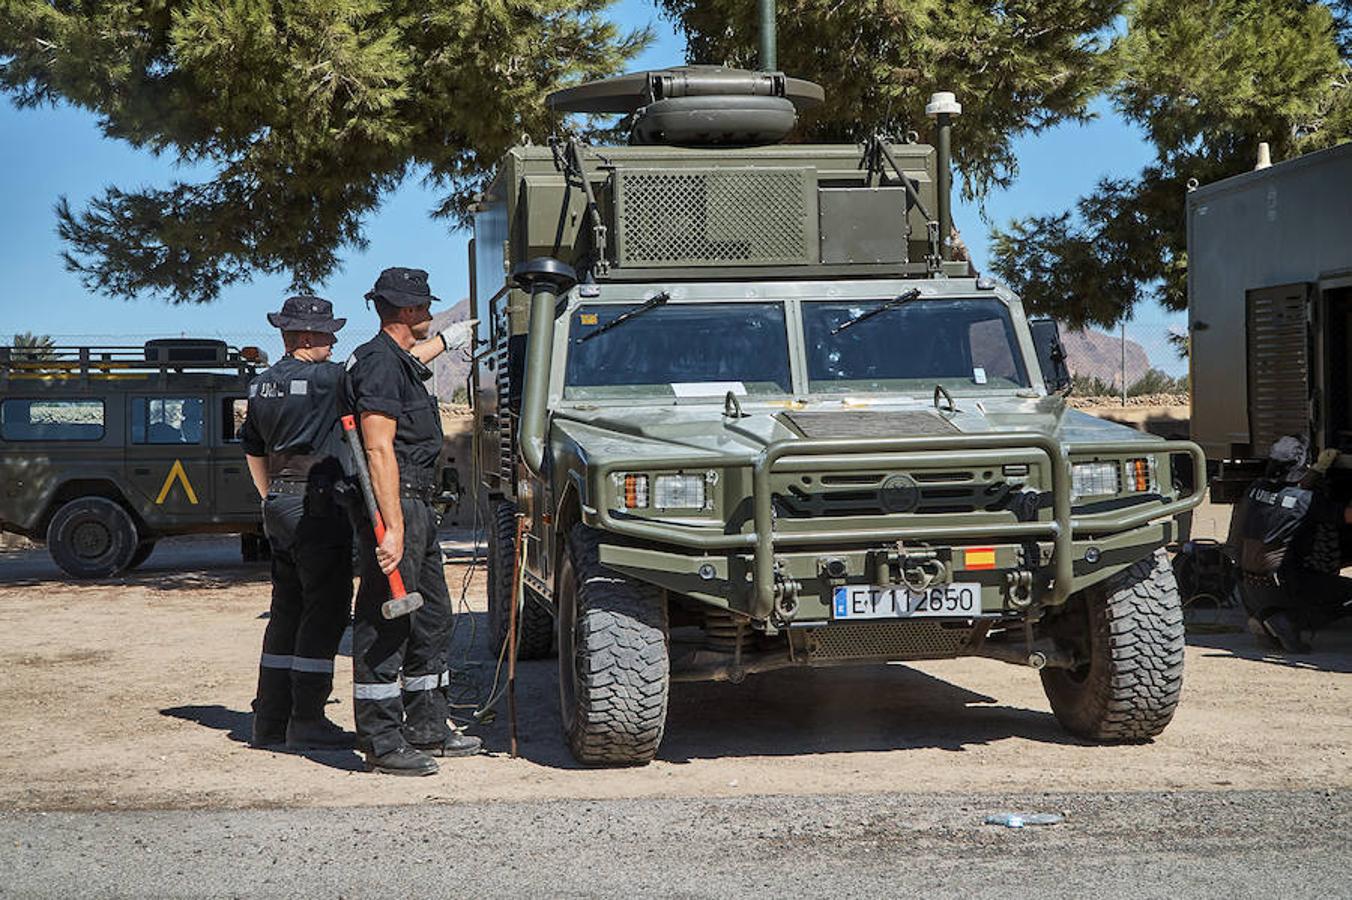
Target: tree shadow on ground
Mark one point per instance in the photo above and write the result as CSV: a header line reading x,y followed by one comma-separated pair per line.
x,y
176,564
238,727
797,711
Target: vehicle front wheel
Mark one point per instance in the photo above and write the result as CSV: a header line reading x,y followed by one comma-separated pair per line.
x,y
91,537
1129,628
614,672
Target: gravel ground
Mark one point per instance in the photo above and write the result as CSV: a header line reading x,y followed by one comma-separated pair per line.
x,y
1132,845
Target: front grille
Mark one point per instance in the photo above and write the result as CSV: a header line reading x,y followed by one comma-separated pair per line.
x,y
914,639
696,217
867,494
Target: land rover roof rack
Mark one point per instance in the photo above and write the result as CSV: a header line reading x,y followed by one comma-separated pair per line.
x,y
120,361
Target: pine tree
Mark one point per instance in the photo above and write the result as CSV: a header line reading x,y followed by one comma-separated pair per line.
x,y
298,115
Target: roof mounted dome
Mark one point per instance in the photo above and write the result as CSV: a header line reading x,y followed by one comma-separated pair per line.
x,y
697,106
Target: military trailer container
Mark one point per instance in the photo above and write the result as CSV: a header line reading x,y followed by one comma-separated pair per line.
x,y
105,450
746,415
1269,314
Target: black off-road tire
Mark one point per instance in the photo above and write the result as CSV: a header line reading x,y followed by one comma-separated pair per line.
x,y
535,629
614,671
1325,554
143,551
1133,629
92,537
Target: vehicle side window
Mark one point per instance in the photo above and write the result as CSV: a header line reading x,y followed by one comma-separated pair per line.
x,y
51,420
233,411
991,349
166,420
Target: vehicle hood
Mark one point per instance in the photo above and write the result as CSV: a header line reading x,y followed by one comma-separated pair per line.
x,y
692,431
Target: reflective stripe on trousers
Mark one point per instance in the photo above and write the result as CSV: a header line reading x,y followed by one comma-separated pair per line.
x,y
390,690
297,663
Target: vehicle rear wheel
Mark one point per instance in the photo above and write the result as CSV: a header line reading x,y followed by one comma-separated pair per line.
x,y
535,628
1132,628
143,551
614,672
92,537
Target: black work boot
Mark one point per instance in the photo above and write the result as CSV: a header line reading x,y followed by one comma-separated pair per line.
x,y
1280,626
456,743
268,733
318,734
402,761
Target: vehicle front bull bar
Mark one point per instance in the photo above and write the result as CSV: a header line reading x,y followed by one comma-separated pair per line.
x,y
763,541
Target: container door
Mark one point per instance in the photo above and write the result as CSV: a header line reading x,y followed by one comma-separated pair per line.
x,y
1279,351
235,496
169,459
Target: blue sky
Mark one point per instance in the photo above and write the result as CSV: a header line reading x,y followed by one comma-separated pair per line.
x,y
45,153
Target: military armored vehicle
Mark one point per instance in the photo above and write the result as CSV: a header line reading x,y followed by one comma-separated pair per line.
x,y
1270,314
105,450
753,417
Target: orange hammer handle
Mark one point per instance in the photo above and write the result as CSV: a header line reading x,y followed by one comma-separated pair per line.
x,y
368,492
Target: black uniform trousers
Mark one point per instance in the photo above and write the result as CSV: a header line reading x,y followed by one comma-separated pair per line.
x,y
311,540
1312,600
392,710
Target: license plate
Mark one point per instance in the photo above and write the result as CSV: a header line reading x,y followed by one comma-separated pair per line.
x,y
862,601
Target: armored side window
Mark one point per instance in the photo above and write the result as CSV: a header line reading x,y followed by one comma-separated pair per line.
x,y
51,420
233,411
166,420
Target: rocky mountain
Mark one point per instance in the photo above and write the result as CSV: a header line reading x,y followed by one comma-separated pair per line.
x,y
450,369
1094,354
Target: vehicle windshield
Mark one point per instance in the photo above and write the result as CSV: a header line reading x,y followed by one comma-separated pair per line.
x,y
962,344
678,350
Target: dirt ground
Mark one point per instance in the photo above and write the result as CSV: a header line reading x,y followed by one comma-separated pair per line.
x,y
134,693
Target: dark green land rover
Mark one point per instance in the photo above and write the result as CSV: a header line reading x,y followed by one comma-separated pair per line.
x,y
105,450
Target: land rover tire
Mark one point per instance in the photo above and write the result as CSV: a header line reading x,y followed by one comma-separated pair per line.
x,y
1132,629
535,626
143,551
614,672
92,537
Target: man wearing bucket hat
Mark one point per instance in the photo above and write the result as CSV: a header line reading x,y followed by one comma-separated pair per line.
x,y
293,445
399,669
1273,535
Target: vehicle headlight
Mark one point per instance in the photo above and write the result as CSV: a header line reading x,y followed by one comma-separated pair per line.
x,y
1094,479
678,492
1140,475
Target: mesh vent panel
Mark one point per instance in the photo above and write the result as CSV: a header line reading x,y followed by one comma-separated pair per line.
x,y
715,217
885,640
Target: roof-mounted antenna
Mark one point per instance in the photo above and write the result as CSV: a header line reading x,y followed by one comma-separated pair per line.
x,y
769,61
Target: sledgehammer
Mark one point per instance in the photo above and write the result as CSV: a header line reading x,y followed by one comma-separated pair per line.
x,y
401,603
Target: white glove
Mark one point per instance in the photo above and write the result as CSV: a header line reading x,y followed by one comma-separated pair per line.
x,y
1326,459
457,335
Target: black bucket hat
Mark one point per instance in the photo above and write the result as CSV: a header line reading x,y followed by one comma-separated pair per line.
x,y
306,314
402,287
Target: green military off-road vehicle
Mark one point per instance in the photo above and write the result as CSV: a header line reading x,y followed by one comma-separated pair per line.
x,y
754,418
104,450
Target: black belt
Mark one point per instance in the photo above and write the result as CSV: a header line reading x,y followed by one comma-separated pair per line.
x,y
297,488
418,491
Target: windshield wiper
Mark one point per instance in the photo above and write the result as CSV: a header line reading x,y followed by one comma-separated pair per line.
x,y
900,300
651,303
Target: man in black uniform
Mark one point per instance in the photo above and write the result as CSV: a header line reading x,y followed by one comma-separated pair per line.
x,y
293,445
402,721
1272,535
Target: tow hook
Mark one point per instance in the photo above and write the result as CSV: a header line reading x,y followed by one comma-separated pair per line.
x,y
918,569
786,591
1020,585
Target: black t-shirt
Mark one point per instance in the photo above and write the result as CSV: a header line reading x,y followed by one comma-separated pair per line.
x,y
1276,518
383,377
293,419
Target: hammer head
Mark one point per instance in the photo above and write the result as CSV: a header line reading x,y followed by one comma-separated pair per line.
x,y
401,606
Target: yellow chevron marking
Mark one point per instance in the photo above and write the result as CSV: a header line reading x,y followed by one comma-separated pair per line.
x,y
176,471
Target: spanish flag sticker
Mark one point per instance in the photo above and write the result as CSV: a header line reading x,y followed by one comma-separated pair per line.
x,y
979,558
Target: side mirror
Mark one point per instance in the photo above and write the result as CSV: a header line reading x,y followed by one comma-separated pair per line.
x,y
1051,355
